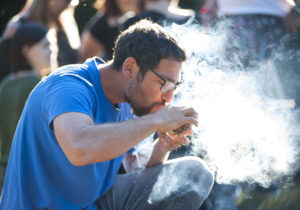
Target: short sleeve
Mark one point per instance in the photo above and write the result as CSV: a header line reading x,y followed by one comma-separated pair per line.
x,y
70,94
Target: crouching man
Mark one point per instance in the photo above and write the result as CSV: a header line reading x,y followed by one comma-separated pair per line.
x,y
77,128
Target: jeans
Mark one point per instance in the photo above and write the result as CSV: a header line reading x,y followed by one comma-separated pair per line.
x,y
182,183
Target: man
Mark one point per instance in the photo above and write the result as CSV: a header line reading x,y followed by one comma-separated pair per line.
x,y
75,130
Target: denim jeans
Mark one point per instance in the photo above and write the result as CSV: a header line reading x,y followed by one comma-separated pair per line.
x,y
182,183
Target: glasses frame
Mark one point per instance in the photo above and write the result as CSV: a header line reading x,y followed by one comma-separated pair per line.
x,y
174,85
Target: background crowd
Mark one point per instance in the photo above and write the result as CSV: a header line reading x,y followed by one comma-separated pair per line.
x,y
37,36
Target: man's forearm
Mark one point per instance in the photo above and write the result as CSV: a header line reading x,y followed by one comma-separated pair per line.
x,y
112,140
97,143
84,143
159,154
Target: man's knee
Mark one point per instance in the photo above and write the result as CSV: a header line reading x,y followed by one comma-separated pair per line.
x,y
186,178
191,174
196,173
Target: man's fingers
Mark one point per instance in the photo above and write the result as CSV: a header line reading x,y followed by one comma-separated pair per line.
x,y
193,120
189,111
174,141
191,115
184,139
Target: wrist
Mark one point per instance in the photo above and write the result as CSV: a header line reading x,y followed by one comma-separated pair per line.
x,y
154,121
162,146
159,154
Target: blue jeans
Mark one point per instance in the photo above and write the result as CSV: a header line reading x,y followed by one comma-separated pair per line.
x,y
182,183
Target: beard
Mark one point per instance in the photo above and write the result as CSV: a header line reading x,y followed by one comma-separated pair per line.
x,y
139,110
133,97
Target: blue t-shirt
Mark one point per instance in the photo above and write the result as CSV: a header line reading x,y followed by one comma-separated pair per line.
x,y
39,175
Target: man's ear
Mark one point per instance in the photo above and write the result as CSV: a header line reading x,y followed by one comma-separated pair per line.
x,y
130,67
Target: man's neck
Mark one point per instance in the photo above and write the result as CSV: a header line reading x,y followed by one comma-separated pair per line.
x,y
113,83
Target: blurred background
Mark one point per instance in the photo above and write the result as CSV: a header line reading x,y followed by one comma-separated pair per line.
x,y
253,35
83,12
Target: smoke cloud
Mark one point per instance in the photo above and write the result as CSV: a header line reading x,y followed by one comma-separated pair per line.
x,y
248,125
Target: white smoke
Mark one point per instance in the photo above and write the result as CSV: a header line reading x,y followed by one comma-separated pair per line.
x,y
142,152
247,129
175,179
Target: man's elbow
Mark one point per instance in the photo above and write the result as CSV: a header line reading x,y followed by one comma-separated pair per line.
x,y
78,156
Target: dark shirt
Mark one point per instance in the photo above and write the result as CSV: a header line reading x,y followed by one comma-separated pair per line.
x,y
4,58
66,54
13,95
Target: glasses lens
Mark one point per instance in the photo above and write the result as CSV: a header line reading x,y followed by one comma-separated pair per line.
x,y
169,86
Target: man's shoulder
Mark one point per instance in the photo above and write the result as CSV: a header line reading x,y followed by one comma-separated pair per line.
x,y
84,69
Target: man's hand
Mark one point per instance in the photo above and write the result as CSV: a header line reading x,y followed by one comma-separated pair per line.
x,y
171,117
172,142
292,21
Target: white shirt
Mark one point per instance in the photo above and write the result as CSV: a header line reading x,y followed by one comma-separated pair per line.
x,y
240,7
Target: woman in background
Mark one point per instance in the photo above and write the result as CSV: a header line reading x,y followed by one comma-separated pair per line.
x,y
33,55
56,14
100,33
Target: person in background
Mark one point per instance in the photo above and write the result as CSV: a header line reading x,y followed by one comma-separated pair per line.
x,y
256,28
259,33
208,13
57,14
289,10
161,12
33,55
77,127
100,33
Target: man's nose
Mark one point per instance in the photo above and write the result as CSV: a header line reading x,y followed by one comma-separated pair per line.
x,y
168,96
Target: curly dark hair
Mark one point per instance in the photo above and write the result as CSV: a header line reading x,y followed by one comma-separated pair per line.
x,y
147,43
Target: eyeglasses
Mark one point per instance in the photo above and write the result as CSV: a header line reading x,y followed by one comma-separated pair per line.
x,y
167,85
